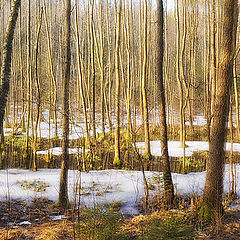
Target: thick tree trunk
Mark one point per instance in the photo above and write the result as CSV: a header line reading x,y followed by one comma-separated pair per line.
x,y
6,61
168,184
63,189
215,165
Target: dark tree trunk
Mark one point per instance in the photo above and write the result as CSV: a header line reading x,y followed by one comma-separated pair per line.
x,y
63,189
216,162
6,61
168,185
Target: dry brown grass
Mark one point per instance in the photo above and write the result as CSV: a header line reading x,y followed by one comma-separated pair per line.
x,y
63,229
46,231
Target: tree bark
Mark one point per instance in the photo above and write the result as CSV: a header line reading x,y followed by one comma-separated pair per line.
x,y
63,189
168,184
6,61
147,153
215,164
117,160
38,93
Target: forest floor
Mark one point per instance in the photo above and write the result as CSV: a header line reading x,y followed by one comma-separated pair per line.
x,y
47,224
33,214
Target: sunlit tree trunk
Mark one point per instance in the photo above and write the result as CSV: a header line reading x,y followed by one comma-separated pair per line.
x,y
168,184
80,75
213,190
109,105
147,153
51,72
213,55
38,92
93,71
29,85
6,62
63,189
117,160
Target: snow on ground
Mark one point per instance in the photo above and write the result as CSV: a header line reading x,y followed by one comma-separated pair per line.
x,y
99,187
58,151
77,127
175,149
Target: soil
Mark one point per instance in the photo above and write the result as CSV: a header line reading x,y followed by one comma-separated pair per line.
x,y
42,226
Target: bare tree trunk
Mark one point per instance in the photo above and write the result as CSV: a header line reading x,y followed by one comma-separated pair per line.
x,y
109,105
168,184
236,93
21,72
215,164
80,75
51,70
129,70
93,72
63,189
231,151
6,62
147,153
117,160
29,81
38,93
101,38
213,54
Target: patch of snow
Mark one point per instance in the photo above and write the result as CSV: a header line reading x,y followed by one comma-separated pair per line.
x,y
57,217
100,187
58,151
175,149
24,223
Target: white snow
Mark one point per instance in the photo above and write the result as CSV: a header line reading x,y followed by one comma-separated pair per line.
x,y
24,223
58,151
57,217
175,149
99,187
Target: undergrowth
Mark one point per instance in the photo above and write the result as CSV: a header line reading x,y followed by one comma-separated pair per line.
x,y
101,223
172,227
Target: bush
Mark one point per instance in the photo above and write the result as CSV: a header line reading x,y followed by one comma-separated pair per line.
x,y
168,228
100,223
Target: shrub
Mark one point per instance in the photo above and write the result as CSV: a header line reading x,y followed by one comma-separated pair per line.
x,y
168,228
100,223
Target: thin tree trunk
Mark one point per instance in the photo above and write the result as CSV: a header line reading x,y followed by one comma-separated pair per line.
x,y
63,189
117,160
147,153
109,105
38,93
29,81
168,184
93,72
80,75
213,54
51,70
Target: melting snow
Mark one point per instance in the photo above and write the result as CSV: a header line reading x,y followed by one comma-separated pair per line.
x,y
175,149
58,151
100,187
